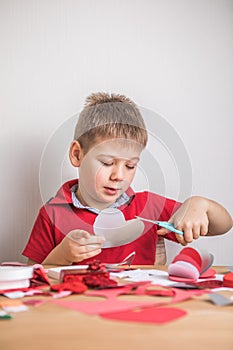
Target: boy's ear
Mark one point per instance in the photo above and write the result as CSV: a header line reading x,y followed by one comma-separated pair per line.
x,y
76,153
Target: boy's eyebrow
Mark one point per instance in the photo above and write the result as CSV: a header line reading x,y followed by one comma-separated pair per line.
x,y
112,156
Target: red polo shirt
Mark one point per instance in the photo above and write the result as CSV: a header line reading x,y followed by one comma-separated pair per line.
x,y
59,216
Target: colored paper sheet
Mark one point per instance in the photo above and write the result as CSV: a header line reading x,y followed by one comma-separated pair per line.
x,y
110,303
147,315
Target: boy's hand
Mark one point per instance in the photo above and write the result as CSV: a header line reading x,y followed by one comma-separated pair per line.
x,y
79,245
192,219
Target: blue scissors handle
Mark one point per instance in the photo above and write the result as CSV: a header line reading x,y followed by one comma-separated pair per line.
x,y
169,227
163,224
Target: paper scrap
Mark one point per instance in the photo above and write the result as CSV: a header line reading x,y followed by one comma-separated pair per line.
x,y
147,315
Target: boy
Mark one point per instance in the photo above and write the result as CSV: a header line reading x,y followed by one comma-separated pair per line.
x,y
109,138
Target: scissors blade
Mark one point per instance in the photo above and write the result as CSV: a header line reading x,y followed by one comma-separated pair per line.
x,y
148,220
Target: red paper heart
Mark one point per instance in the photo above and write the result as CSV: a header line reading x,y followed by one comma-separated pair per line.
x,y
208,274
181,279
147,315
228,280
189,255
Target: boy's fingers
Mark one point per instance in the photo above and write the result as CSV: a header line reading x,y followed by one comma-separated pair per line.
x,y
96,239
76,235
83,237
162,231
196,232
91,254
181,240
84,249
92,239
191,232
86,255
204,230
188,234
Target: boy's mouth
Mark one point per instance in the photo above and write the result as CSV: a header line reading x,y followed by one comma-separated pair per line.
x,y
111,190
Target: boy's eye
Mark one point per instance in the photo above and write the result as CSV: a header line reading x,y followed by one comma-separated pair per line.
x,y
129,166
107,164
111,163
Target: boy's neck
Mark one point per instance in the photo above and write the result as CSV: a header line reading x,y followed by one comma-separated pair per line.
x,y
80,198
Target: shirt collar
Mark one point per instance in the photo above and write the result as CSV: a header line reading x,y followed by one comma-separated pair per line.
x,y
66,195
123,199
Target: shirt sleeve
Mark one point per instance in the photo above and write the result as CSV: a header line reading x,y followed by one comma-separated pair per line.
x,y
41,240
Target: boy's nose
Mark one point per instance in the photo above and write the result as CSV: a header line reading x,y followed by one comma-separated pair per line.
x,y
117,173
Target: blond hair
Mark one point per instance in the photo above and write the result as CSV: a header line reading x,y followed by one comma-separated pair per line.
x,y
107,116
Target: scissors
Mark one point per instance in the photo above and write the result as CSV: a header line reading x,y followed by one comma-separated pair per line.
x,y
163,224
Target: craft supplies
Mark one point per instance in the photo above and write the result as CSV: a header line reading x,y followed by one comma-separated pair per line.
x,y
4,315
12,277
220,300
190,264
96,280
57,272
13,306
78,280
228,280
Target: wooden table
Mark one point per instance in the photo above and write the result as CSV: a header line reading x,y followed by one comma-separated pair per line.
x,y
50,326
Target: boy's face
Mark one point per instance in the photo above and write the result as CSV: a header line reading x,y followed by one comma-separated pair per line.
x,y
107,171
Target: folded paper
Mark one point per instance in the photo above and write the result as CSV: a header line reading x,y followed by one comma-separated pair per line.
x,y
190,264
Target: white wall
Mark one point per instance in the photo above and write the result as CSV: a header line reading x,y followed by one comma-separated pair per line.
x,y
172,57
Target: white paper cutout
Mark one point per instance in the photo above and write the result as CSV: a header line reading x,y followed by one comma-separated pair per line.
x,y
111,224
